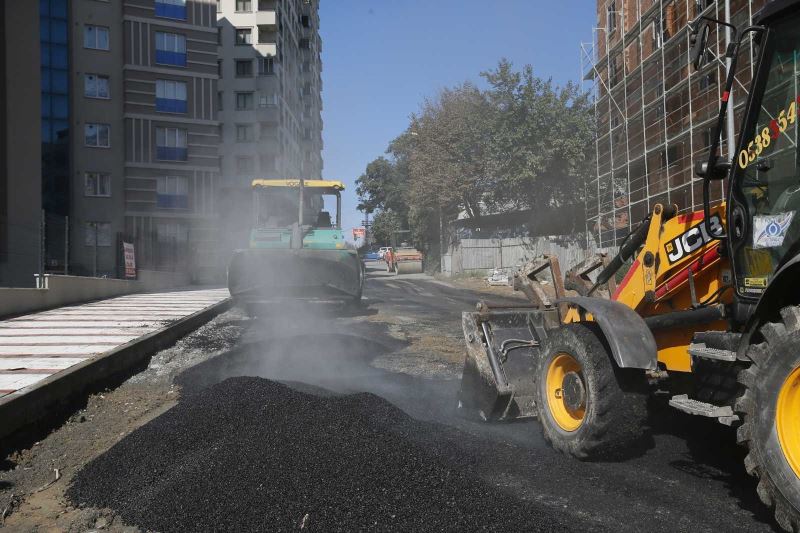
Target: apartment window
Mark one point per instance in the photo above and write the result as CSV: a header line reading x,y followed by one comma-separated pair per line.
x,y
244,6
171,144
172,233
170,49
220,100
266,100
97,184
244,36
266,66
244,133
219,35
219,6
172,192
171,9
611,17
244,101
98,233
97,135
171,96
244,68
658,36
95,86
305,21
95,37
244,164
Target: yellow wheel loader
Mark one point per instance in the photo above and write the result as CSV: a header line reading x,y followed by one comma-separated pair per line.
x,y
709,306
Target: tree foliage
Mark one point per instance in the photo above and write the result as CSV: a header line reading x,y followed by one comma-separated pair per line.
x,y
520,143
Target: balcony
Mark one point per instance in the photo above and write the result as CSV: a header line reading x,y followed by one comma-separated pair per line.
x,y
266,49
268,19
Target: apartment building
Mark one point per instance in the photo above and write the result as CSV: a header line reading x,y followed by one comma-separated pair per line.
x,y
269,98
143,152
654,112
20,147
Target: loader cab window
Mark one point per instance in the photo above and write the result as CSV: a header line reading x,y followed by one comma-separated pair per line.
x,y
766,179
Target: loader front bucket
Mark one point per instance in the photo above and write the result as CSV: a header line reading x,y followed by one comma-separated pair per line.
x,y
502,346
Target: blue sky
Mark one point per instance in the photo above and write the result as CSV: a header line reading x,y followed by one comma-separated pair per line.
x,y
381,58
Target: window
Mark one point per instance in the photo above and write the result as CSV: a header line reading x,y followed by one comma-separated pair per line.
x,y
171,9
266,100
244,101
172,192
172,232
97,232
97,135
707,81
171,144
95,37
244,164
170,49
97,184
219,35
244,133
244,68
244,36
219,6
305,21
266,66
611,17
244,5
219,68
220,100
171,96
95,86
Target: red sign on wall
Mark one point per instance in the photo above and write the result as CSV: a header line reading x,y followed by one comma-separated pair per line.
x,y
130,260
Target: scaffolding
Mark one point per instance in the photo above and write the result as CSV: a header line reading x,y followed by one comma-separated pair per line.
x,y
654,114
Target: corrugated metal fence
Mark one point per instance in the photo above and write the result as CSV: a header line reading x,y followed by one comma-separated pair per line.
x,y
486,255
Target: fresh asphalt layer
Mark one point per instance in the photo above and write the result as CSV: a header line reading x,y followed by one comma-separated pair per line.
x,y
687,476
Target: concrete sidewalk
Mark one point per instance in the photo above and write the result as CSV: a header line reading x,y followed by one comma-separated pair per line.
x,y
37,346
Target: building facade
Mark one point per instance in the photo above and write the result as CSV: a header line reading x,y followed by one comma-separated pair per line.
x,y
269,98
654,112
144,161
20,145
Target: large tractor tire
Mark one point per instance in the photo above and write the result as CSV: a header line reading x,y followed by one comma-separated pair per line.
x,y
588,408
770,410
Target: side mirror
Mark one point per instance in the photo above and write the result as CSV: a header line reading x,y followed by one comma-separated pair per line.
x,y
698,37
719,171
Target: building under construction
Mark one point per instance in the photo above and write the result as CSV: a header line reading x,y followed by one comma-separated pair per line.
x,y
655,113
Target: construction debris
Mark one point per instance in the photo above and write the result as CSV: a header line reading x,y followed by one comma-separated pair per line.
x,y
250,454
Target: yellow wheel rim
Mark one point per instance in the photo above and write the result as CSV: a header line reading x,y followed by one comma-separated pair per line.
x,y
567,418
787,420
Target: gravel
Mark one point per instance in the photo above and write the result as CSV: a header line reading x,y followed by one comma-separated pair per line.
x,y
249,454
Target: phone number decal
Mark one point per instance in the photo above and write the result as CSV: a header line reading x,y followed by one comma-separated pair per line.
x,y
770,133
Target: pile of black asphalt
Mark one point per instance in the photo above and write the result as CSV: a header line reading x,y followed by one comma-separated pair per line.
x,y
250,454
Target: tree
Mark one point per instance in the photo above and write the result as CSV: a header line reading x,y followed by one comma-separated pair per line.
x,y
385,225
542,140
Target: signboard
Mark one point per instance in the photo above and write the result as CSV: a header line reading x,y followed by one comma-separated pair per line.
x,y
130,260
359,233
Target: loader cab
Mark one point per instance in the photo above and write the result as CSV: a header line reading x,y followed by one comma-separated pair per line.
x,y
763,196
764,203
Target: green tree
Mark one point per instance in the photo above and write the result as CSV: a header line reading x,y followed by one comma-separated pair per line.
x,y
542,140
385,225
